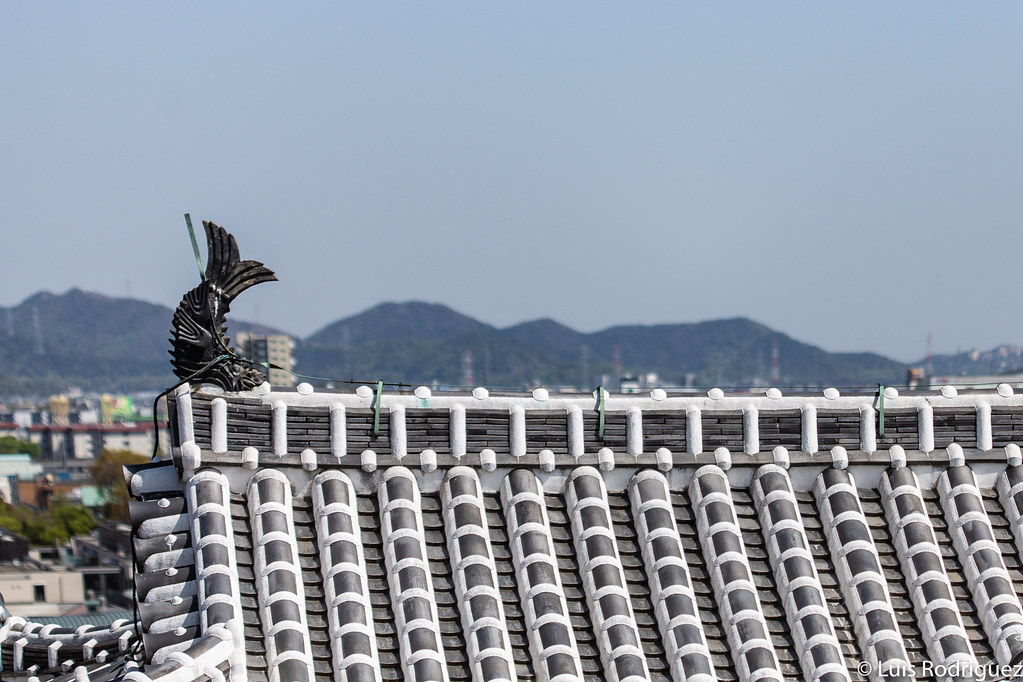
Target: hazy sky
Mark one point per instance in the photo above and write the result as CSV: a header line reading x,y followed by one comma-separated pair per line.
x,y
848,173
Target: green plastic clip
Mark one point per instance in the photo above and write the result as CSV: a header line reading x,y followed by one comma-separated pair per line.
x,y
376,408
880,410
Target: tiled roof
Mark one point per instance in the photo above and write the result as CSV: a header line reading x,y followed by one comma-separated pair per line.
x,y
28,650
308,536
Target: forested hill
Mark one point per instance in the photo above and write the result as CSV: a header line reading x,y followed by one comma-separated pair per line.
x,y
428,342
52,341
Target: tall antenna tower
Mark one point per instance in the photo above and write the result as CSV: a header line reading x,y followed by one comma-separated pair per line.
x,y
775,368
929,363
467,378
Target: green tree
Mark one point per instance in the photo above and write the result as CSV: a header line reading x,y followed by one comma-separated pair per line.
x,y
72,519
63,521
40,530
9,518
11,445
108,476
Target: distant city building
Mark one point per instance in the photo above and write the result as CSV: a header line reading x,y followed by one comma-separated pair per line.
x,y
116,408
966,382
60,410
272,349
633,383
87,441
29,416
9,428
33,589
64,483
15,468
12,547
104,559
20,465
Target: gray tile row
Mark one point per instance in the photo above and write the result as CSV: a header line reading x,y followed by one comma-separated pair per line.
x,y
603,578
208,496
670,579
796,577
986,573
475,575
860,574
278,576
930,588
345,585
549,629
411,586
736,594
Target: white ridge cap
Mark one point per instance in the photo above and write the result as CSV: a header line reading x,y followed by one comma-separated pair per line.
x,y
714,399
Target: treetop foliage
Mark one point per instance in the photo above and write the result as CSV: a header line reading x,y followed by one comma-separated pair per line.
x,y
11,445
107,475
59,524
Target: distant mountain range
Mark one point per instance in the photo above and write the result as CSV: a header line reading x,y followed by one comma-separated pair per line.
x,y
426,342
49,342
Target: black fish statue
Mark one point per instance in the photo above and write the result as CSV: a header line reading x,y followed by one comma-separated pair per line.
x,y
201,351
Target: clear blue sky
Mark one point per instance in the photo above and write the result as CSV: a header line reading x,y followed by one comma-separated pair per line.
x,y
850,174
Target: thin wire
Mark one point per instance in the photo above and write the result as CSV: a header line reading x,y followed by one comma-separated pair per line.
x,y
156,403
271,365
871,388
135,601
